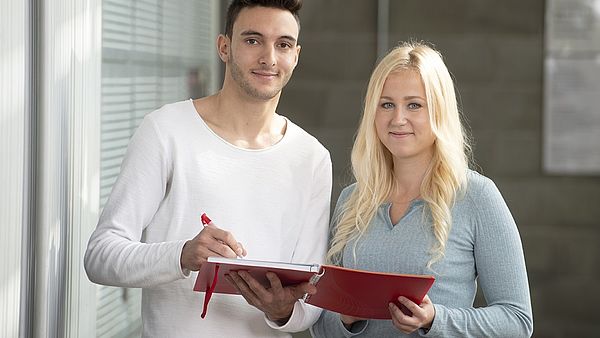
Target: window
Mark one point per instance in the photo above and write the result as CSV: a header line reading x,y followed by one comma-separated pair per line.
x,y
153,52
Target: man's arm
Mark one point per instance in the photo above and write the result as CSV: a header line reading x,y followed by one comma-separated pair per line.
x,y
115,256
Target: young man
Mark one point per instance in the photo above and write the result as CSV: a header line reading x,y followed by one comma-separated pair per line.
x,y
265,183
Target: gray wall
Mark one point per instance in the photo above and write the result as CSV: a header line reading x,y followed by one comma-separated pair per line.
x,y
495,51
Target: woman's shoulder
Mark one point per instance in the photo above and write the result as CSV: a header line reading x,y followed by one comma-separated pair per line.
x,y
346,192
478,184
481,190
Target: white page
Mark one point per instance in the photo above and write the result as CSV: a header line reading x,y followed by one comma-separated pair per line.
x,y
276,265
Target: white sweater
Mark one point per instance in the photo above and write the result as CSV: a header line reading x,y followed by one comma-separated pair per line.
x,y
275,201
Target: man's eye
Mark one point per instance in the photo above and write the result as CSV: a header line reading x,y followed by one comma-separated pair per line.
x,y
414,106
285,45
251,41
387,105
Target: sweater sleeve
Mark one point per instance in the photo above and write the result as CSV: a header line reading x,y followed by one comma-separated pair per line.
x,y
312,242
330,325
501,273
115,254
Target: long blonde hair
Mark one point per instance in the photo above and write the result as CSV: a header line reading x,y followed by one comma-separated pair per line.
x,y
372,163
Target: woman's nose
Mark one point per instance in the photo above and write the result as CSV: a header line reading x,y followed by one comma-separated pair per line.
x,y
399,117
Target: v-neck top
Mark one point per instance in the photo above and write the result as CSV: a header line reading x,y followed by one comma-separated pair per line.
x,y
483,245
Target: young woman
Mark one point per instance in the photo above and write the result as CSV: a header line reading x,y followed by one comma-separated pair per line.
x,y
417,208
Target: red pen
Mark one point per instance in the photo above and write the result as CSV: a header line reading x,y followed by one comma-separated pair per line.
x,y
205,219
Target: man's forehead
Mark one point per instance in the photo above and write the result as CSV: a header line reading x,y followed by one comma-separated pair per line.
x,y
266,21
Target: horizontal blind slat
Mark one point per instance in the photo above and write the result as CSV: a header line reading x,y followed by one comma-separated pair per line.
x,y
148,49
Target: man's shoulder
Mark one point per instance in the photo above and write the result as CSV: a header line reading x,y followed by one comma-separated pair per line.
x,y
172,118
301,137
170,112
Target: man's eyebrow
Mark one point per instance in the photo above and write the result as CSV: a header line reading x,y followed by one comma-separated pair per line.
x,y
255,33
288,37
249,32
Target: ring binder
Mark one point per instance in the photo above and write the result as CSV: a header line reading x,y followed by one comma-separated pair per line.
x,y
357,293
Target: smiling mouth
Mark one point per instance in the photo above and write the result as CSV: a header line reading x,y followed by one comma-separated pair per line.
x,y
265,74
400,133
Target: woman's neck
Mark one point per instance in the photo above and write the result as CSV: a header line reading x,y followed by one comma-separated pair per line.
x,y
408,177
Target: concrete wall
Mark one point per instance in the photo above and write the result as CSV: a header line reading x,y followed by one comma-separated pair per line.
x,y
495,51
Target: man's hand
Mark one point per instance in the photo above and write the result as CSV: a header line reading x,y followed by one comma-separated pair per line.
x,y
422,315
211,241
277,302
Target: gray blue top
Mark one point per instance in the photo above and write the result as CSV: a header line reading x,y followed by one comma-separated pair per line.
x,y
483,246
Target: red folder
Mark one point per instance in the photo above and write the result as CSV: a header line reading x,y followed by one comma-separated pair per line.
x,y
357,293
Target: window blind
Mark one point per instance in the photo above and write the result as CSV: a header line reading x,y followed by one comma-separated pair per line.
x,y
153,52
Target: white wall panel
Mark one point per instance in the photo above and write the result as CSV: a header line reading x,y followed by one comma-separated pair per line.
x,y
12,144
67,176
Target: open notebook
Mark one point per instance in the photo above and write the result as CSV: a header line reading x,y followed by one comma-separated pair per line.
x,y
357,293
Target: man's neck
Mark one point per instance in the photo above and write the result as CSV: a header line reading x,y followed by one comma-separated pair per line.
x,y
241,120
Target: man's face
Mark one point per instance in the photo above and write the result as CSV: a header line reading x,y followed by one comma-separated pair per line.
x,y
263,51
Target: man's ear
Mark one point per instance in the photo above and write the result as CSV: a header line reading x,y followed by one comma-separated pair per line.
x,y
223,47
298,48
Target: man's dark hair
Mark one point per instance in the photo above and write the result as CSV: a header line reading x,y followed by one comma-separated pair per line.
x,y
236,6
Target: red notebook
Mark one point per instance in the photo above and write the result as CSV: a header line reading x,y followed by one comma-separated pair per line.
x,y
357,293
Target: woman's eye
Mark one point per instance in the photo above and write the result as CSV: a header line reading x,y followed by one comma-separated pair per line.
x,y
414,106
387,105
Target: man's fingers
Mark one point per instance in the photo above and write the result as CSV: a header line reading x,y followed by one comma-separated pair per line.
x,y
194,254
308,288
255,286
221,241
244,252
298,291
275,282
245,290
232,282
276,301
236,286
229,240
220,249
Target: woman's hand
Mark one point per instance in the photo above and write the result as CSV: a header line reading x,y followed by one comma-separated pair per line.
x,y
349,320
422,315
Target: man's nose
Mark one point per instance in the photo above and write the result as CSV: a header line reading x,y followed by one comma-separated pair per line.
x,y
268,56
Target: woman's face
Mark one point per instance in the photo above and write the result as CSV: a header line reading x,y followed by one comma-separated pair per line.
x,y
402,116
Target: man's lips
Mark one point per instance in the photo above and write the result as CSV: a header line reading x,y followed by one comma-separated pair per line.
x,y
264,73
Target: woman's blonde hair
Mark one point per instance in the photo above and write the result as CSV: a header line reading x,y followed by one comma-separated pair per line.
x,y
372,163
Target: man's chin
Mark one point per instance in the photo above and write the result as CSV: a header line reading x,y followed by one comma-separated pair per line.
x,y
264,95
